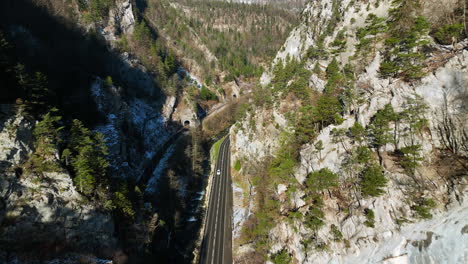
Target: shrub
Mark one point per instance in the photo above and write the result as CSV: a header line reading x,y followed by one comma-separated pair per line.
x,y
447,34
423,208
358,132
314,218
363,155
370,218
108,81
237,165
321,246
207,95
281,257
337,235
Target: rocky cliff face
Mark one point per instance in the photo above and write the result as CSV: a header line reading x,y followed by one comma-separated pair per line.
x,y
46,214
397,235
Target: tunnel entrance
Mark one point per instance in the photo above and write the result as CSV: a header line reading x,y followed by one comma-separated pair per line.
x,y
186,123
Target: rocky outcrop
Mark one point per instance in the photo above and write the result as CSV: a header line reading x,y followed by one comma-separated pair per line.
x,y
121,21
146,128
43,216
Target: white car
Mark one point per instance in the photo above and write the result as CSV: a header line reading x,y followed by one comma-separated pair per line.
x,y
218,172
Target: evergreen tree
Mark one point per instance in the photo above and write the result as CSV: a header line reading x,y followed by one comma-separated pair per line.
x,y
89,158
38,94
358,132
305,125
413,115
411,158
335,78
363,155
83,166
315,216
46,135
380,126
372,181
321,180
66,156
327,107
319,147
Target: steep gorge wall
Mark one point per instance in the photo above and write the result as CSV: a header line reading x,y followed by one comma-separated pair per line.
x,y
444,91
120,99
47,216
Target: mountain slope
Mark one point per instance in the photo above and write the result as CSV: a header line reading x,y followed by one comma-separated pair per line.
x,y
358,131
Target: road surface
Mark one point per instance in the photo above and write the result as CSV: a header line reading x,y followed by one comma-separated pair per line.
x,y
217,240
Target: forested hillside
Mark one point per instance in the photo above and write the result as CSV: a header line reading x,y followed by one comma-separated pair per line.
x,y
219,40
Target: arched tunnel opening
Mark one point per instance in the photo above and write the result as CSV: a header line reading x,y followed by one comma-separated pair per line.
x,y
186,123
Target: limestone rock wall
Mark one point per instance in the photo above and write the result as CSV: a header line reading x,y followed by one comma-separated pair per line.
x,y
444,90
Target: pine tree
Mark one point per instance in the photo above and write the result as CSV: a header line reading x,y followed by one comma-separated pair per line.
x,y
335,78
327,107
411,158
380,126
413,115
321,180
358,132
84,179
319,147
315,216
372,181
89,158
36,91
66,156
305,125
46,135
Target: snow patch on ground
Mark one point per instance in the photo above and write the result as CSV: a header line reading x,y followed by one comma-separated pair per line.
x,y
193,79
152,125
153,181
443,239
112,139
96,92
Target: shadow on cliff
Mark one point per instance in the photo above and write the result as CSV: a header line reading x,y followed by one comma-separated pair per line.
x,y
27,235
178,199
71,58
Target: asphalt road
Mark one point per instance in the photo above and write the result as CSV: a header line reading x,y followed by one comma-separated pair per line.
x,y
217,240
